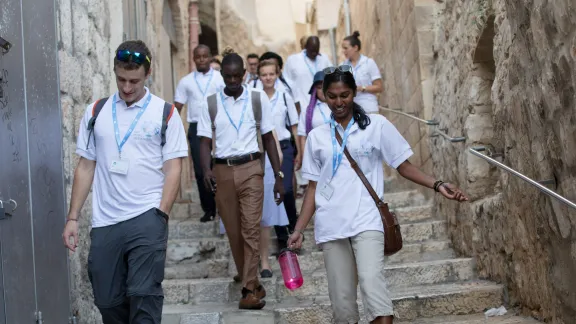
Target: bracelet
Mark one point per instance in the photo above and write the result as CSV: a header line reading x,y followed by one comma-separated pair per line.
x,y
437,185
299,231
71,219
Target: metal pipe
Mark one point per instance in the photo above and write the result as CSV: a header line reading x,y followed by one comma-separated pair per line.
x,y
332,34
396,111
451,139
347,17
193,29
523,177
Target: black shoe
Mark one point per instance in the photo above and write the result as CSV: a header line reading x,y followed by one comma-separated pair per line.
x,y
266,273
209,216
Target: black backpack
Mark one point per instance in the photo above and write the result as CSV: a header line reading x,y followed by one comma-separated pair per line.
x,y
99,104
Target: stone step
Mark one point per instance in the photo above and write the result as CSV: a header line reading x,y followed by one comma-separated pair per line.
x,y
224,290
473,319
191,249
193,228
196,268
409,303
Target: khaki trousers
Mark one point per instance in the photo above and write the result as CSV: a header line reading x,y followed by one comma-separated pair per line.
x,y
239,198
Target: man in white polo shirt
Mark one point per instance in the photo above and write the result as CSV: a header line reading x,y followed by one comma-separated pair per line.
x,y
192,90
134,163
238,170
301,67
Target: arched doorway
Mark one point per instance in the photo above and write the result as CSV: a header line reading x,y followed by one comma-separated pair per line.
x,y
208,37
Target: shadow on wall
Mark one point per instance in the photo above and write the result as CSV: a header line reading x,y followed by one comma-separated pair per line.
x,y
209,38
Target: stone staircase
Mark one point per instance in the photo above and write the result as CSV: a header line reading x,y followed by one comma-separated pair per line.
x,y
428,282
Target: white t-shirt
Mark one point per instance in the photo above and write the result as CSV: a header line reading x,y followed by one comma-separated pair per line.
x,y
320,117
193,90
229,141
301,70
365,72
118,197
351,209
284,113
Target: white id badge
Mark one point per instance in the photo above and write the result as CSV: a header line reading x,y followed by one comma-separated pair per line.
x,y
326,191
238,145
119,166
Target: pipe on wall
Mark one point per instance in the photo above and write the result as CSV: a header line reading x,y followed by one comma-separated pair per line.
x,y
194,30
347,17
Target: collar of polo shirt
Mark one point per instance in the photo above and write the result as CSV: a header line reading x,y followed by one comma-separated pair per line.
x,y
139,103
241,97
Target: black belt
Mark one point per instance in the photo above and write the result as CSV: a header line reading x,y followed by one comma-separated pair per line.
x,y
239,160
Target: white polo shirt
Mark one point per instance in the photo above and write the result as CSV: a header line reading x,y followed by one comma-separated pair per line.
x,y
229,141
351,210
278,85
118,197
284,112
193,90
301,70
365,72
320,117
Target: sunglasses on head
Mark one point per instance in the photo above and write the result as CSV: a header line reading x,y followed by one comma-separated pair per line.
x,y
342,68
135,57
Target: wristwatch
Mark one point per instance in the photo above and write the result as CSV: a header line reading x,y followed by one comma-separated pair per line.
x,y
280,174
363,88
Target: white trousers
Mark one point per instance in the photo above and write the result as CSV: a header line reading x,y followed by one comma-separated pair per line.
x,y
353,261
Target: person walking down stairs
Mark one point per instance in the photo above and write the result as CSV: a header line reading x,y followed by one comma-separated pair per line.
x,y
347,222
236,126
193,90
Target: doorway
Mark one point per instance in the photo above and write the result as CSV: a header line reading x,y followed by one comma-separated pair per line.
x,y
34,285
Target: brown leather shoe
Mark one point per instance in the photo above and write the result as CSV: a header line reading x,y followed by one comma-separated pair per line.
x,y
250,300
260,292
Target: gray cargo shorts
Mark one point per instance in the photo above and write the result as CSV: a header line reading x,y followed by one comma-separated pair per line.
x,y
128,258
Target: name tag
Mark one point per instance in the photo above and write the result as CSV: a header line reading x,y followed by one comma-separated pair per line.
x,y
119,166
238,145
326,191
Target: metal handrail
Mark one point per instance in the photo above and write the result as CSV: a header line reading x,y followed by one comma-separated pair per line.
x,y
397,111
476,151
451,139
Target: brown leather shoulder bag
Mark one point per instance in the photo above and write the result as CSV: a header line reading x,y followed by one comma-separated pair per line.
x,y
392,234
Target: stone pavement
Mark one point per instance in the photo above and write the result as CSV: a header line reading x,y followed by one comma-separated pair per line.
x,y
427,280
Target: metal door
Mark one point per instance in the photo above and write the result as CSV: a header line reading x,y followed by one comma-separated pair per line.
x,y
34,269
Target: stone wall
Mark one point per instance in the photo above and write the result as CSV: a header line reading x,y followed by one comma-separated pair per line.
x,y
505,79
88,33
396,34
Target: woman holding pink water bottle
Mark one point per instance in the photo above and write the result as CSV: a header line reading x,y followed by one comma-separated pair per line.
x,y
347,222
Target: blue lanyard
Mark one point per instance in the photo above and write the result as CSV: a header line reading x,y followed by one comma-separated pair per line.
x,y
337,154
308,65
132,126
245,98
274,100
207,84
326,120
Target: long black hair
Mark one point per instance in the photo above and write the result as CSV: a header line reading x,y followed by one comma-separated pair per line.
x,y
347,78
272,55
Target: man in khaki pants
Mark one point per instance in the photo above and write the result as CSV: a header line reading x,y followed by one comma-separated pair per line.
x,y
233,120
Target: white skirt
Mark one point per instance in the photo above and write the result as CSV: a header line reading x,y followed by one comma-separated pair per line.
x,y
272,214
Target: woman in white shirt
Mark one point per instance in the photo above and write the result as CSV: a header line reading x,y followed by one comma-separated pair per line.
x,y
347,223
366,73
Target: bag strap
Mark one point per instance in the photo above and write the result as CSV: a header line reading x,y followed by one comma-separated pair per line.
x,y
359,172
96,108
166,115
213,110
257,110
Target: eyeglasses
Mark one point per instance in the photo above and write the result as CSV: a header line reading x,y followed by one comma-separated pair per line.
x,y
135,57
342,68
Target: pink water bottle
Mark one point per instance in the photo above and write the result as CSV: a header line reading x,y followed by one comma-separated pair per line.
x,y
290,269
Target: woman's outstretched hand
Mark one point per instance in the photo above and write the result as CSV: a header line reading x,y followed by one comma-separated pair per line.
x,y
452,192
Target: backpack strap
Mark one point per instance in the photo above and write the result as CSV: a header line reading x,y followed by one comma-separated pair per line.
x,y
166,115
257,110
213,110
96,108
